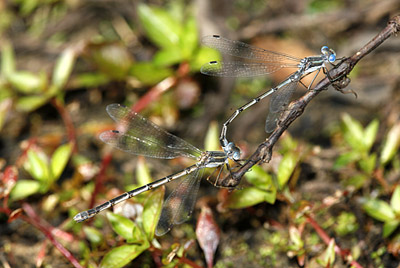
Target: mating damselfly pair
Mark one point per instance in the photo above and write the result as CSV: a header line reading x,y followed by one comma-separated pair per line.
x,y
139,136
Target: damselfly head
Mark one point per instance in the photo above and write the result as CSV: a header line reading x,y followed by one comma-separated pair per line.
x,y
329,53
232,151
332,58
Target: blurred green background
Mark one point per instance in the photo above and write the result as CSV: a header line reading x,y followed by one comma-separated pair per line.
x,y
336,169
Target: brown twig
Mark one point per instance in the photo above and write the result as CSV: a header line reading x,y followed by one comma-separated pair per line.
x,y
296,108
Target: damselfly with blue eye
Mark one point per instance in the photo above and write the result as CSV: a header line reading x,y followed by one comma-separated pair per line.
x,y
137,135
257,61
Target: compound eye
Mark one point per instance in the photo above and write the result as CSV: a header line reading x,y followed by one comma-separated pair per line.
x,y
332,58
230,147
236,154
324,49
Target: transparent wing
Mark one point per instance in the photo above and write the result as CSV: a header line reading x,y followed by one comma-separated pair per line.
x,y
179,205
242,69
137,135
279,102
246,51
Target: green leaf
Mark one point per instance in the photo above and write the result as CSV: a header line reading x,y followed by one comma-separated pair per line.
x,y
367,163
259,178
79,160
353,133
370,134
152,210
288,143
121,225
203,56
142,172
30,103
89,80
379,210
167,57
357,181
93,235
112,59
23,189
189,38
27,7
63,68
395,200
295,238
391,144
330,253
148,73
121,256
27,82
38,167
316,6
7,59
60,159
138,236
389,227
286,168
160,27
346,158
249,197
211,142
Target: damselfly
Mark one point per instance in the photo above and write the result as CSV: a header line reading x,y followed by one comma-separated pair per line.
x,y
137,135
258,61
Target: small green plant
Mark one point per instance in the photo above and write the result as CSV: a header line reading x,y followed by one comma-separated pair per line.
x,y
346,223
138,236
44,170
329,258
389,213
359,143
30,90
358,149
296,247
174,31
264,186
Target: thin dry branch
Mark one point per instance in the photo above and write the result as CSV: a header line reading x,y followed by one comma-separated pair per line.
x,y
296,108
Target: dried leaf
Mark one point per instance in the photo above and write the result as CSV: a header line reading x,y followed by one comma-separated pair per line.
x,y
208,234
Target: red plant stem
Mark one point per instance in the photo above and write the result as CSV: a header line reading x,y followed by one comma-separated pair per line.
x,y
9,179
67,122
154,93
378,174
156,255
5,210
41,254
34,220
325,237
189,262
100,178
